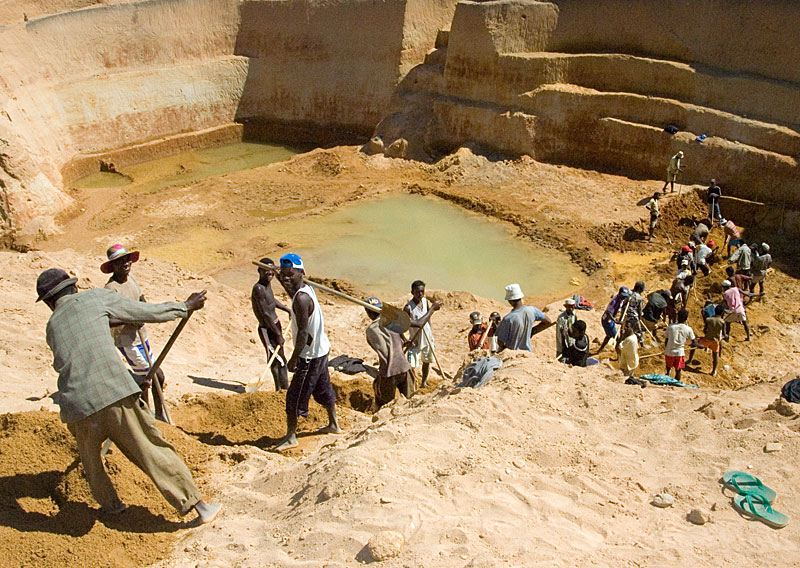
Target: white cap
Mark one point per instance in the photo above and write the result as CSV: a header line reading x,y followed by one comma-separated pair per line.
x,y
680,153
765,247
726,284
569,302
514,292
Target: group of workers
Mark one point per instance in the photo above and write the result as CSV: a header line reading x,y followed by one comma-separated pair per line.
x,y
747,268
101,400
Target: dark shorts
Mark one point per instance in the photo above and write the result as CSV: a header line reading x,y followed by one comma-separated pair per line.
x,y
609,327
310,378
385,387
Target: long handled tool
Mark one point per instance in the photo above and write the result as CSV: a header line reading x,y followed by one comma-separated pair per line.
x,y
156,383
392,318
256,386
151,375
485,334
435,356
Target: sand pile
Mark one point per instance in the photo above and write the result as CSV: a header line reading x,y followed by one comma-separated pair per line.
x,y
543,466
48,516
255,419
677,212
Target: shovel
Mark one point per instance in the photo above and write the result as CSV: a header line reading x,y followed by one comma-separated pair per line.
x,y
156,384
255,386
392,318
151,375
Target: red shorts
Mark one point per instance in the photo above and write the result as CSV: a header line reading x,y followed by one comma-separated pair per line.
x,y
675,362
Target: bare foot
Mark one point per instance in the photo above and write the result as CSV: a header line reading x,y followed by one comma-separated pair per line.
x,y
329,429
115,510
286,444
207,512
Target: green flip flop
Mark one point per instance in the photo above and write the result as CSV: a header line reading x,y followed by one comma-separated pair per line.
x,y
746,484
755,506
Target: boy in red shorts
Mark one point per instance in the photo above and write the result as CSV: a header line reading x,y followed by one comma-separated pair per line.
x,y
677,335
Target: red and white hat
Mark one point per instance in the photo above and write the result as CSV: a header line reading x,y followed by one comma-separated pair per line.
x,y
116,252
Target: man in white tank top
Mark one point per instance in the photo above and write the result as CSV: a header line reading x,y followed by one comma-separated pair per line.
x,y
422,350
309,359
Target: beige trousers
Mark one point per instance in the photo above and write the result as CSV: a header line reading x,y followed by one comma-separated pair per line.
x,y
129,424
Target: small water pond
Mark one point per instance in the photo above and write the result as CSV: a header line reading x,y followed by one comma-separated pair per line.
x,y
189,167
383,245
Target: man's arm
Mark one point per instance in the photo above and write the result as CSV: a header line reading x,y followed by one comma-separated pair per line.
x,y
303,306
543,324
126,310
420,323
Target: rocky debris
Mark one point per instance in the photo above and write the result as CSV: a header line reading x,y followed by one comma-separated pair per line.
x,y
385,545
397,149
783,407
699,516
772,447
663,500
374,146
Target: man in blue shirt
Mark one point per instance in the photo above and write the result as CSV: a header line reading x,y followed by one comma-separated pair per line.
x,y
520,324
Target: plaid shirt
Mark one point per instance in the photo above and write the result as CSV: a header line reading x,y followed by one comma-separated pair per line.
x,y
91,375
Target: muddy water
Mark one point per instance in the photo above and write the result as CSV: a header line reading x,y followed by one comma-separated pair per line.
x,y
188,167
383,245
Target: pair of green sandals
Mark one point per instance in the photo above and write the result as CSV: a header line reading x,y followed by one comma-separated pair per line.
x,y
754,499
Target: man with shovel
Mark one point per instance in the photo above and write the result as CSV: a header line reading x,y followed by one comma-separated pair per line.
x,y
309,359
98,397
423,347
131,339
269,326
394,371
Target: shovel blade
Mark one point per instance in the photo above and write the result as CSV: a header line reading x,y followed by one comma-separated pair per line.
x,y
394,319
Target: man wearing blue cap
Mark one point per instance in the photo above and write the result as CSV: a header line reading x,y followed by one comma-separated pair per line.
x,y
609,318
309,359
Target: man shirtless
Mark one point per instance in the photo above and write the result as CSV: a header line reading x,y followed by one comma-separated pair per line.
x,y
269,326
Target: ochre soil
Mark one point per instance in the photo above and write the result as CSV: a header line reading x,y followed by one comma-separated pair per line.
x,y
48,515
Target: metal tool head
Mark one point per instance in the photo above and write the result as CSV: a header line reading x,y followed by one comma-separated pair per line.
x,y
394,319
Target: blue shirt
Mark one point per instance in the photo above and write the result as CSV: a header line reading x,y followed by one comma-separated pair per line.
x,y
515,329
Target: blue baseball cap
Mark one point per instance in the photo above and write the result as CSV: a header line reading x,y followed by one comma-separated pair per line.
x,y
374,302
293,260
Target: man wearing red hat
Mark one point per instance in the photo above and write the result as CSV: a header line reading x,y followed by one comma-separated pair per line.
x,y
131,339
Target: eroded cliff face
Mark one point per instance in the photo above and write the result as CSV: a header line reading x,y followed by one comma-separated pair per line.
x,y
132,80
592,84
580,82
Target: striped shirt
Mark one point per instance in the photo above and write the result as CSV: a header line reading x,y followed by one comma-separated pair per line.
x,y
91,375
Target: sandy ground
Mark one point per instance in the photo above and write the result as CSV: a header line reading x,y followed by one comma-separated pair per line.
x,y
546,465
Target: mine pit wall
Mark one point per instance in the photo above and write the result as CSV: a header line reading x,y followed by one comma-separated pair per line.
x,y
592,84
128,80
106,77
327,71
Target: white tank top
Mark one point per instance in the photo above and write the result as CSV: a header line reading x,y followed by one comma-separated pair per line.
x,y
418,311
320,345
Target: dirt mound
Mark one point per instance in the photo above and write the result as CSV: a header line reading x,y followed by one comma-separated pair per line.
x,y
678,214
48,516
256,419
355,392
